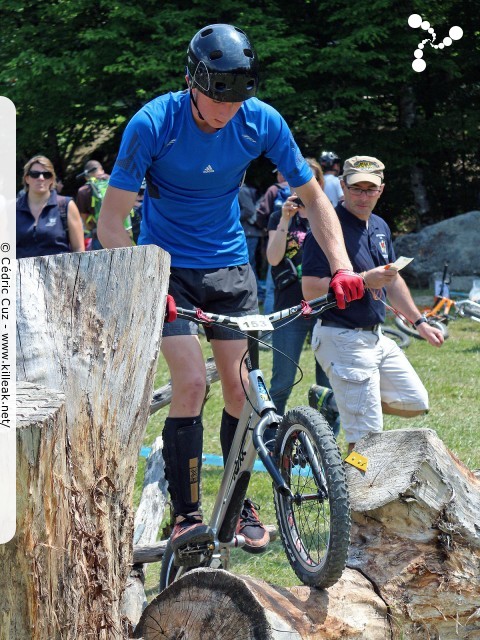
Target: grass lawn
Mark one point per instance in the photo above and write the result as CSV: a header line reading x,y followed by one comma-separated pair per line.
x,y
450,375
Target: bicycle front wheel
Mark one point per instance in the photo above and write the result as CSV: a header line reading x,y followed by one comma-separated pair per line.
x,y
314,524
468,309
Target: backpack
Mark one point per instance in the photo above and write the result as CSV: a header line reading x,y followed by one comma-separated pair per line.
x,y
99,187
62,202
135,219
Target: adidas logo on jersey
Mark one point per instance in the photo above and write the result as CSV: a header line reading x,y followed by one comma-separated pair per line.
x,y
208,169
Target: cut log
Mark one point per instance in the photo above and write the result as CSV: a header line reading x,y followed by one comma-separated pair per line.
x,y
209,603
150,511
416,533
148,517
88,326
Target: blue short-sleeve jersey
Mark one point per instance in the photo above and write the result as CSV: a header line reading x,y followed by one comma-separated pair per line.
x,y
191,206
368,246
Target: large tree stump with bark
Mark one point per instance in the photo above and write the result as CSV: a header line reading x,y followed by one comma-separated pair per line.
x,y
416,533
88,326
413,571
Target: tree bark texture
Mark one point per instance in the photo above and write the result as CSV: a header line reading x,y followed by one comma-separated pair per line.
x,y
416,533
207,603
88,326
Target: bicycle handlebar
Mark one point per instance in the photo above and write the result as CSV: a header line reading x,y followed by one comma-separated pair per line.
x,y
257,322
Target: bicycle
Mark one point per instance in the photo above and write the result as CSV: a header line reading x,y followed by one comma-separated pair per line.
x,y
309,480
443,310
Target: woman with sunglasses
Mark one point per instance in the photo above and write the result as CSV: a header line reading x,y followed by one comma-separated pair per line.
x,y
47,223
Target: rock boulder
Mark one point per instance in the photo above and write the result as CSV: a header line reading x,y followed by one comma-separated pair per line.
x,y
456,241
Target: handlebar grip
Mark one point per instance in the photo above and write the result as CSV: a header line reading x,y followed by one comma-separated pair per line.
x,y
170,309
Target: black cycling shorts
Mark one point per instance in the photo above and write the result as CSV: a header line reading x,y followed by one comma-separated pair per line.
x,y
231,291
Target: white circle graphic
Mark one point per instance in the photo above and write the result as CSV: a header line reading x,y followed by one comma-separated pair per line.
x,y
419,65
455,33
414,21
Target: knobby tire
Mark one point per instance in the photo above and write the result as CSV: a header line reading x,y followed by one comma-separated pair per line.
x,y
315,532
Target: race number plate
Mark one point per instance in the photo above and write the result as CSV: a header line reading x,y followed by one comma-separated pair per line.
x,y
254,323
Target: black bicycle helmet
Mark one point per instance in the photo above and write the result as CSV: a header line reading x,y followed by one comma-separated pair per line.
x,y
222,64
328,159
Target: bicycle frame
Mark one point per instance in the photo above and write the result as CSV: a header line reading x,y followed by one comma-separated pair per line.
x,y
258,413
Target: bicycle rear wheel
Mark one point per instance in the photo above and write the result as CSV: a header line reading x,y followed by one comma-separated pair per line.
x,y
397,336
315,525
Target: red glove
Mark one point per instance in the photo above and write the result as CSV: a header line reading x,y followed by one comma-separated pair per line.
x,y
346,286
170,309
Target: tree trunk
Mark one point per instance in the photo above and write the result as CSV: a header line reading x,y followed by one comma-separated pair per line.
x,y
89,326
416,533
408,117
208,603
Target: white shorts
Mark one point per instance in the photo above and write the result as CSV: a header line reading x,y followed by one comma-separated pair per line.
x,y
366,369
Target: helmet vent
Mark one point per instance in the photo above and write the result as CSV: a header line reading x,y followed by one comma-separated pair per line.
x,y
206,32
248,53
215,55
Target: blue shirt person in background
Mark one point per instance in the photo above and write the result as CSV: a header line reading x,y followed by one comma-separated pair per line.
x,y
194,147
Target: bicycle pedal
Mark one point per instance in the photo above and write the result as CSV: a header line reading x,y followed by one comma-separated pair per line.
x,y
193,554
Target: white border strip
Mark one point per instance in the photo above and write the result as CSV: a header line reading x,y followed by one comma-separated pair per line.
x,y
7,320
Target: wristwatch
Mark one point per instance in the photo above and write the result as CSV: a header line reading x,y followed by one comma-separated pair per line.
x,y
419,321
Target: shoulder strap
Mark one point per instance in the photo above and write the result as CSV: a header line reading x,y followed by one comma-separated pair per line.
x,y
63,207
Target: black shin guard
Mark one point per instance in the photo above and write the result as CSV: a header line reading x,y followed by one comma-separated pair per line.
x,y
227,433
182,453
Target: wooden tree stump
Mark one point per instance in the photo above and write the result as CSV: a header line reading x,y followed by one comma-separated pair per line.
x,y
208,603
88,326
416,533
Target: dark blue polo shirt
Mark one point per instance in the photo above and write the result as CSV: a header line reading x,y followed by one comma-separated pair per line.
x,y
367,248
47,237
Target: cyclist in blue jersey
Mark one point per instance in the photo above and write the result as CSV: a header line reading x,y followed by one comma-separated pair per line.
x,y
194,147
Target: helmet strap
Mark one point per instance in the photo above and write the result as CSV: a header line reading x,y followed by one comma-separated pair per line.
x,y
192,98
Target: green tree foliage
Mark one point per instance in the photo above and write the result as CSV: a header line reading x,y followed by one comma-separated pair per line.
x,y
340,73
